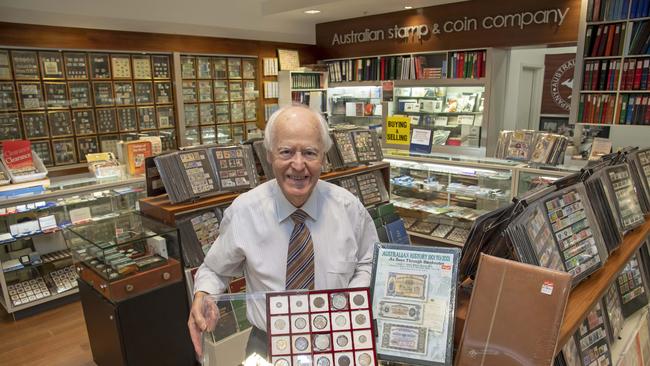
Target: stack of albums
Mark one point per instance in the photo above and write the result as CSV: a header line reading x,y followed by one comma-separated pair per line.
x,y
413,301
198,231
540,148
200,172
354,147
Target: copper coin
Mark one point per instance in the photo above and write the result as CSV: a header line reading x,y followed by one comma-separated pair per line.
x,y
358,300
344,360
319,302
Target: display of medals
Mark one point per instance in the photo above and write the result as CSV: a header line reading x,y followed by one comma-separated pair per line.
x,y
147,118
163,92
143,92
161,67
79,94
99,66
414,296
234,166
126,119
124,94
372,188
366,143
165,117
106,120
326,327
64,151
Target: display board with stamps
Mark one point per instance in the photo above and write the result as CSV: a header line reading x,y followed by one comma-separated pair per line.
x,y
414,297
218,90
325,328
366,143
234,166
50,94
372,188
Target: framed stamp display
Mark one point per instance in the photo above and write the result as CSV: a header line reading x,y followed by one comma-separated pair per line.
x,y
188,67
56,95
84,122
205,90
191,112
250,108
236,112
51,65
220,91
64,151
85,146
168,139
413,302
42,150
161,67
99,66
60,123
79,94
121,66
5,65
238,133
222,112
10,126
163,92
165,117
143,92
220,68
35,124
234,68
208,135
76,65
206,113
108,143
25,65
249,90
106,120
204,67
124,93
147,118
192,136
126,119
249,68
30,95
141,67
236,92
288,59
189,91
224,134
8,96
103,93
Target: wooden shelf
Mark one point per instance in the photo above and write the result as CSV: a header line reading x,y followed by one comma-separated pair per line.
x,y
435,238
160,208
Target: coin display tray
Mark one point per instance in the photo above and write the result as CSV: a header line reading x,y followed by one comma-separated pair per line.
x,y
320,328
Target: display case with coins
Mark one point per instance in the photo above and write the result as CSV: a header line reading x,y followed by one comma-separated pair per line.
x,y
126,255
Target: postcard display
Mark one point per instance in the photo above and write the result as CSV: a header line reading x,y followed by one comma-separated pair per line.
x,y
220,98
72,103
413,302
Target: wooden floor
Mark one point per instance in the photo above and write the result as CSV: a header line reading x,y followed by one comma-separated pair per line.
x,y
54,337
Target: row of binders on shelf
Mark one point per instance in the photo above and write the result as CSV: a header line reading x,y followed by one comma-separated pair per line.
x,y
630,109
604,10
640,41
306,81
633,109
467,65
604,74
635,74
596,108
605,40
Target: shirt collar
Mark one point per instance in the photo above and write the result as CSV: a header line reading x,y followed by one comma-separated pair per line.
x,y
284,208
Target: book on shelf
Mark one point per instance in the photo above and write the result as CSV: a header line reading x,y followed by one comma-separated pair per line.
x,y
640,38
306,81
602,10
640,9
467,65
602,40
601,74
596,108
633,109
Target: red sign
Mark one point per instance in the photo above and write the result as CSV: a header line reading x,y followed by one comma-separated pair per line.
x,y
17,154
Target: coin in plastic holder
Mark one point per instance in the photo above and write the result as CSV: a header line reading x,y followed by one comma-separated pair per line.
x,y
321,342
280,324
360,319
340,321
358,300
319,321
299,303
301,344
364,358
362,339
280,361
299,323
323,360
339,301
342,341
318,302
344,359
280,345
279,304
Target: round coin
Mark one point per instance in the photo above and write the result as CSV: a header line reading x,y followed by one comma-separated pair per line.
x,y
339,302
300,323
364,359
299,303
301,343
322,342
362,339
278,304
281,344
281,362
320,322
340,320
323,361
279,324
342,341
344,361
318,303
358,300
360,319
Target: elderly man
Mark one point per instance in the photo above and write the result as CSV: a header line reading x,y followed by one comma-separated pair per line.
x,y
293,232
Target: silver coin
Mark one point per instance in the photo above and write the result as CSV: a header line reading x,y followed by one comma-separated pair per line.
x,y
300,323
281,344
278,304
364,359
362,339
341,320
281,362
339,301
323,361
322,342
342,341
320,322
344,361
279,324
358,300
319,302
301,343
299,303
360,319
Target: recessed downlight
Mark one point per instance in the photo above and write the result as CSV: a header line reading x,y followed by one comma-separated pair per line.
x,y
408,7
312,11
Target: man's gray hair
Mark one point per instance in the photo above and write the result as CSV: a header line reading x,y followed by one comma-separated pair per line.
x,y
269,131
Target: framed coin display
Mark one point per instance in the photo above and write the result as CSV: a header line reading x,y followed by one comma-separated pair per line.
x,y
141,66
85,146
51,65
30,96
25,65
188,67
99,66
224,134
249,90
208,135
168,139
250,108
129,136
126,119
7,97
220,91
76,65
5,65
236,90
64,151
192,136
189,91
124,94
121,66
60,123
147,118
108,143
234,68
103,93
143,92
191,114
43,151
205,90
161,67
222,112
238,133
56,95
35,124
106,120
220,68
163,92
206,113
236,112
79,94
9,126
204,67
249,68
165,117
84,122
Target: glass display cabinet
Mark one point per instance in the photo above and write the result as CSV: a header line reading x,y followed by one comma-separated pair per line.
x,y
355,105
36,260
439,196
126,255
530,177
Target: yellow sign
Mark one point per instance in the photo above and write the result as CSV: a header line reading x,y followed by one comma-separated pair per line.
x,y
398,130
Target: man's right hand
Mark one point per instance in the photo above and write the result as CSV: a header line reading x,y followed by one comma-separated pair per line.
x,y
203,317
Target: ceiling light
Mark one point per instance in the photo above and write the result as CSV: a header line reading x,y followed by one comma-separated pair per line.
x,y
314,11
408,7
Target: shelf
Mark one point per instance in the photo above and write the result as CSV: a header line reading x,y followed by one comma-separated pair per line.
x,y
429,237
59,295
598,91
638,19
602,57
634,91
468,195
445,113
305,90
30,266
637,56
607,21
412,82
347,84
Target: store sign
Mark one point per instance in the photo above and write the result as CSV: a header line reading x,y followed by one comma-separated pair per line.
x,y
398,130
471,24
558,83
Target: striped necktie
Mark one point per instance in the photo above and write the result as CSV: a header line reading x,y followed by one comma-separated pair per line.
x,y
300,255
